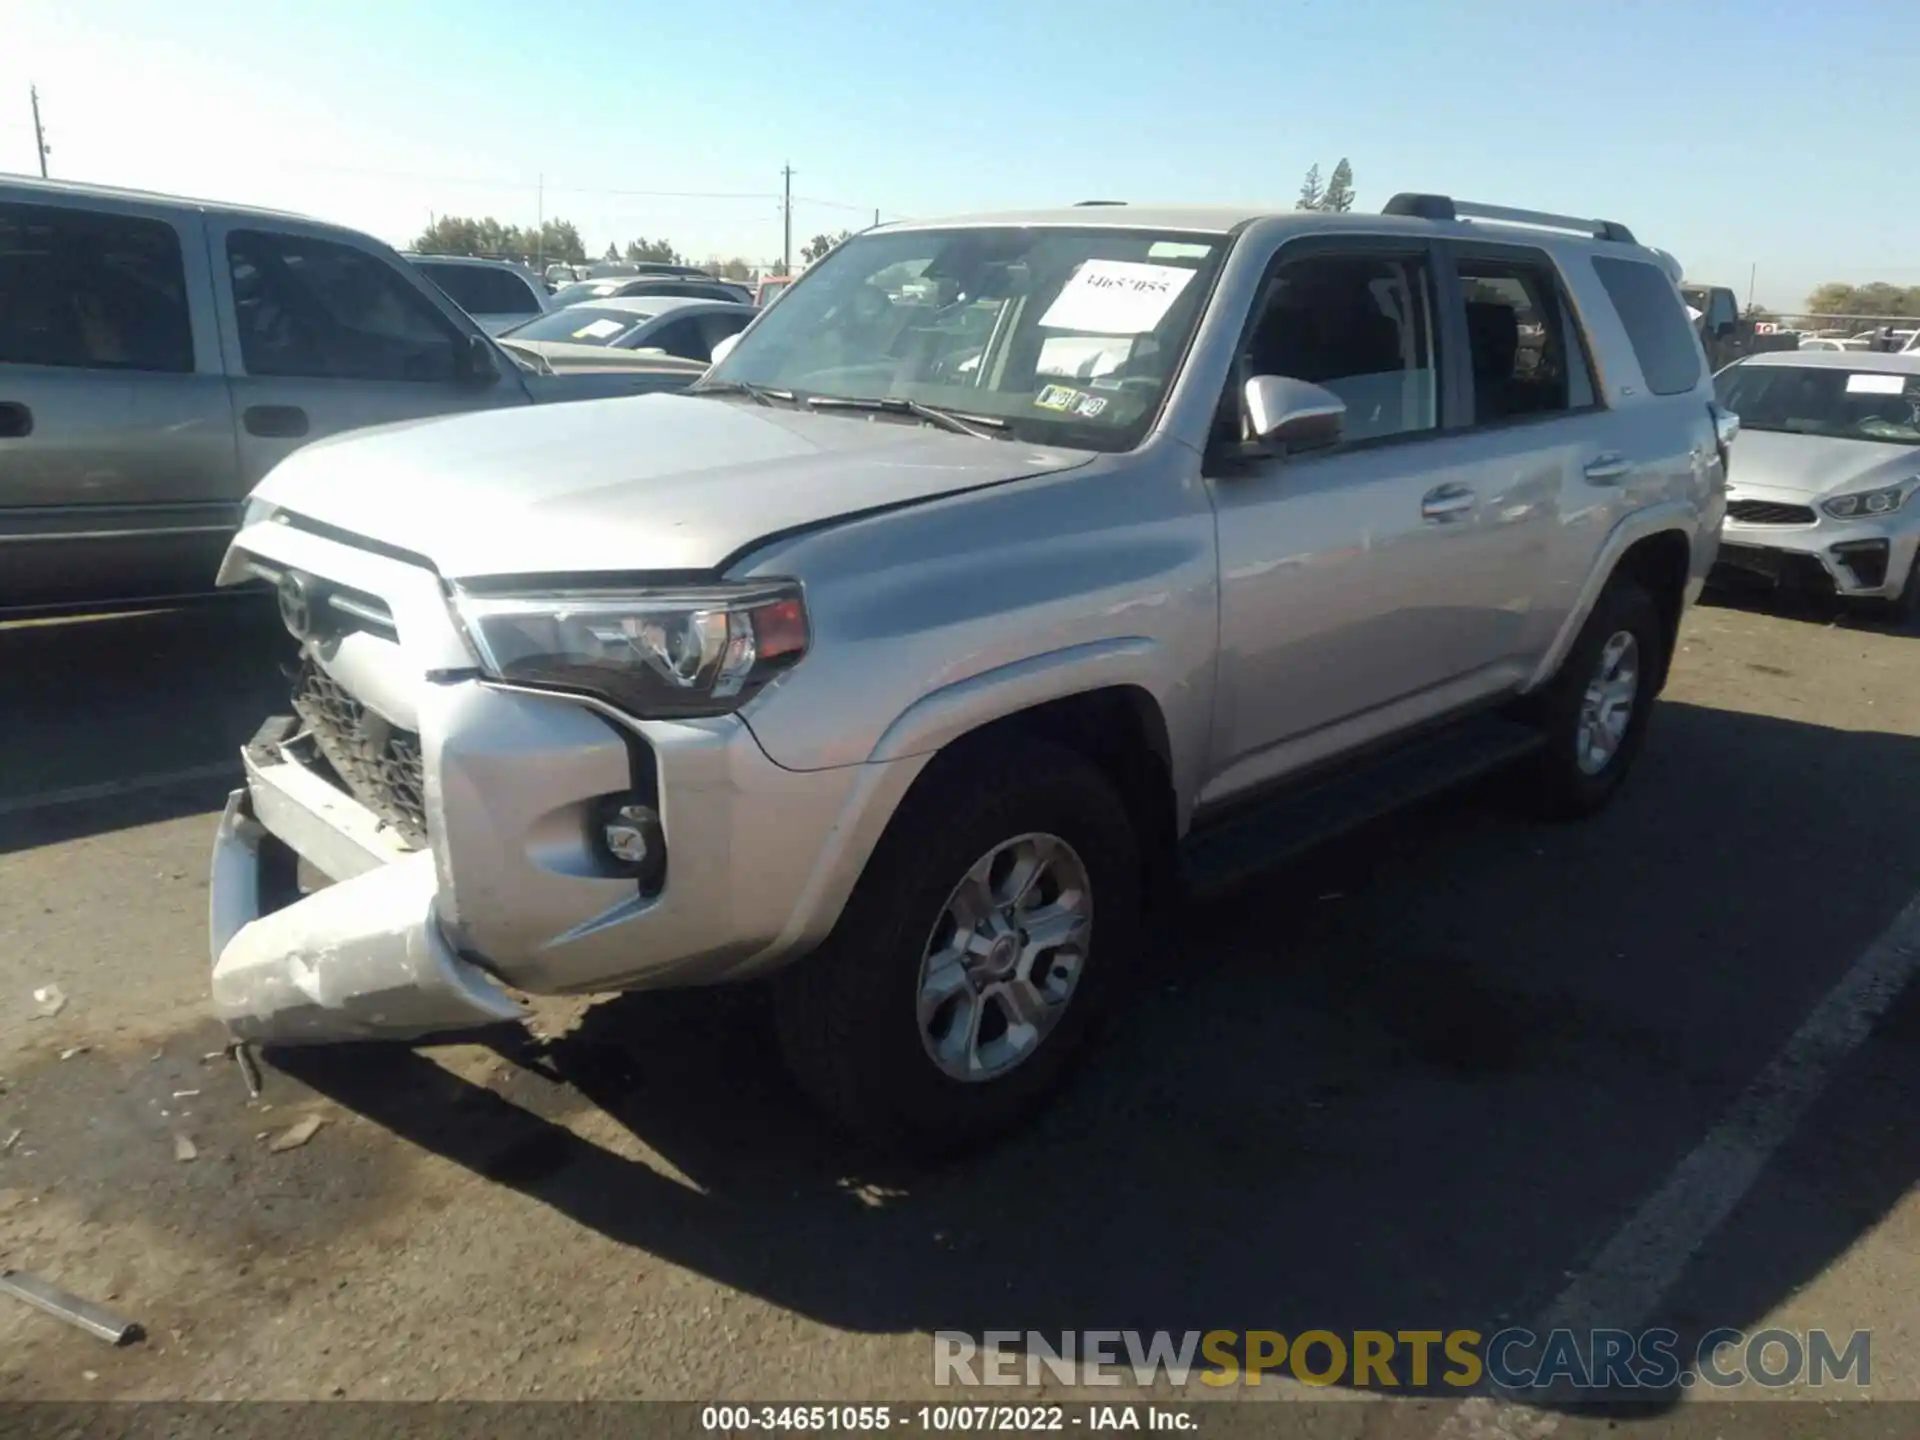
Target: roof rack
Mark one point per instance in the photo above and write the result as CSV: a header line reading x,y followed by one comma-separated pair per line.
x,y
1078,203
1445,207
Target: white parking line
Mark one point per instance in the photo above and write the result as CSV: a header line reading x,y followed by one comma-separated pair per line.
x,y
1630,1274
109,789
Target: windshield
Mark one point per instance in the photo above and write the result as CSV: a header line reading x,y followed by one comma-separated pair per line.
x,y
483,289
1845,404
586,324
587,290
1070,336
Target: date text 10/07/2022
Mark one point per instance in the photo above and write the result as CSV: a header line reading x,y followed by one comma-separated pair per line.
x,y
940,1419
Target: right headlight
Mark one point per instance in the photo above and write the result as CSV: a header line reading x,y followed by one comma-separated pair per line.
x,y
1883,501
656,654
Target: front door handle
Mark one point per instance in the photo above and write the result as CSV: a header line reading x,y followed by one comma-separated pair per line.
x,y
275,422
1606,469
16,420
1447,502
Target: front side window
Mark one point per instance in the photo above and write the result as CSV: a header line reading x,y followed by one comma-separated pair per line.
x,y
91,290
678,337
1359,326
321,310
1656,323
1834,401
482,289
1524,362
993,322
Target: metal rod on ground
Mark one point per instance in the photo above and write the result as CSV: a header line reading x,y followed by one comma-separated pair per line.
x,y
84,1314
249,1071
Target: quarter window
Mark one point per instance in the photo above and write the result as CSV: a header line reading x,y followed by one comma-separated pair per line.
x,y
1362,328
91,290
321,310
1656,324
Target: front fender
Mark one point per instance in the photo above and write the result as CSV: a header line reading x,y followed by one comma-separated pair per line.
x,y
938,719
1679,516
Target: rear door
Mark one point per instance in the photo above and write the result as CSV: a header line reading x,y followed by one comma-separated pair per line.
x,y
328,333
118,477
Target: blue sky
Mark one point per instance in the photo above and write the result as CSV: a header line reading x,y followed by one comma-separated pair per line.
x,y
1735,133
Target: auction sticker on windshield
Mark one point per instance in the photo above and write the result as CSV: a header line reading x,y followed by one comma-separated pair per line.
x,y
599,328
1865,384
1116,297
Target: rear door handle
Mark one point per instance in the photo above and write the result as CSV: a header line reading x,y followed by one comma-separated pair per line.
x,y
1447,502
16,420
275,422
1606,469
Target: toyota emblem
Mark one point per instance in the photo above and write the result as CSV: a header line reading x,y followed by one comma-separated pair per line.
x,y
296,604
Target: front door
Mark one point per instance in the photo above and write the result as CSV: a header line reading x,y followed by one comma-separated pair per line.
x,y
327,335
1384,579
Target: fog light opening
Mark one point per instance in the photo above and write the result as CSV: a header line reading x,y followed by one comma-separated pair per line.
x,y
632,842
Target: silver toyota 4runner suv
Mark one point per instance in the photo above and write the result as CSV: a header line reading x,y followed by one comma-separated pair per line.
x,y
1012,572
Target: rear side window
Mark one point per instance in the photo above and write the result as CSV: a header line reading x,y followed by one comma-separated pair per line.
x,y
1526,359
483,290
1656,323
92,291
321,310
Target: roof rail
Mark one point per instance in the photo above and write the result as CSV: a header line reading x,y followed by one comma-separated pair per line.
x,y
1078,203
1445,207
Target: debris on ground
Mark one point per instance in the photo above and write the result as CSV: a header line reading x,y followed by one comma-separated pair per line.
x,y
249,1071
297,1136
184,1094
13,1139
184,1149
73,1050
49,1000
83,1314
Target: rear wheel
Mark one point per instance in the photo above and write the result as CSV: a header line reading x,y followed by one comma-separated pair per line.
x,y
1595,711
976,953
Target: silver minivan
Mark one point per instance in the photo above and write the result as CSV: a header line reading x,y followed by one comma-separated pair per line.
x,y
158,356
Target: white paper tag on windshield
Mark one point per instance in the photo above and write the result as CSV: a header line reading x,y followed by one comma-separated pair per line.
x,y
1116,297
599,330
1861,383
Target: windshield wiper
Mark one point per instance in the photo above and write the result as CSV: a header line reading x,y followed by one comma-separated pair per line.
x,y
760,394
980,427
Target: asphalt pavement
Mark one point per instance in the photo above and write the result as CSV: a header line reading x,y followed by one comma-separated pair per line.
x,y
1444,1074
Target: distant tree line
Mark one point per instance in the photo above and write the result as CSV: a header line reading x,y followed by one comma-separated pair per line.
x,y
1335,195
555,240
1878,297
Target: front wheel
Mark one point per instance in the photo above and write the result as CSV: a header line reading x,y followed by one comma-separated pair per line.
x,y
1595,711
986,935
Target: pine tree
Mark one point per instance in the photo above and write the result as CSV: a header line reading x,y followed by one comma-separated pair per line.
x,y
1339,196
1312,197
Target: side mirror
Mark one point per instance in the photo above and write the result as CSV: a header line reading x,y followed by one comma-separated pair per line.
x,y
724,348
473,362
1292,414
1724,330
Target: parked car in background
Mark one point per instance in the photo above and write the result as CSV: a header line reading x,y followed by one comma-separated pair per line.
x,y
600,333
496,293
771,289
630,286
610,269
158,356
912,676
1725,333
1822,496
559,273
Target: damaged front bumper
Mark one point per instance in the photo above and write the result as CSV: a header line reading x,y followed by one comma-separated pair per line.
x,y
363,958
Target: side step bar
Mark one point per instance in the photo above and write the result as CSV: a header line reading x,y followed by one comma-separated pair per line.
x,y
1226,855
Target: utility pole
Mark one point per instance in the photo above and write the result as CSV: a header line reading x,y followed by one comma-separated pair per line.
x,y
540,226
786,221
1752,270
40,146
876,217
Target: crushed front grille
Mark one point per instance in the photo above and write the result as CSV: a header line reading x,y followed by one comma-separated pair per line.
x,y
377,763
1767,512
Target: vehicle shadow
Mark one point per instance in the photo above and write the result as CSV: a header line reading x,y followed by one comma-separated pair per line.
x,y
1804,606
1412,1082
126,719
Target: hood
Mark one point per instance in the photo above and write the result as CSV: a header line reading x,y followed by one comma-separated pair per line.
x,y
495,324
652,482
1816,465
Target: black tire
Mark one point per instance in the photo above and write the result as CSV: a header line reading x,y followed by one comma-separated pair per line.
x,y
1561,787
847,1015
